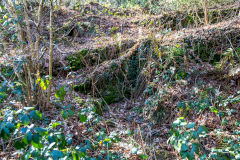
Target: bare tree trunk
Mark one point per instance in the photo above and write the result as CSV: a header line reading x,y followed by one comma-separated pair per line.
x,y
50,53
205,12
38,94
60,4
29,34
30,55
239,8
40,10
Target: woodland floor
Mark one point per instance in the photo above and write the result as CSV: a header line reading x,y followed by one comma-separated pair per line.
x,y
113,26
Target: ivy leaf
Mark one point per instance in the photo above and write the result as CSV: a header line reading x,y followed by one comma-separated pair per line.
x,y
54,125
24,130
214,109
5,133
143,156
36,141
69,139
36,115
10,126
19,145
64,114
36,137
56,154
195,134
184,155
41,131
202,129
3,95
52,138
27,138
191,125
70,112
37,145
25,119
60,93
195,148
83,118
184,147
75,156
203,157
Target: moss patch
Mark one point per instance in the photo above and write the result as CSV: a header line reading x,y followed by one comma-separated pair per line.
x,y
76,60
84,88
111,94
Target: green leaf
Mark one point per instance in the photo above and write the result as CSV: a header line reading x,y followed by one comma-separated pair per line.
x,y
202,129
37,145
5,133
203,157
54,125
56,154
190,156
195,148
60,93
64,114
10,126
75,156
70,112
36,138
214,109
69,139
237,123
44,84
83,118
184,147
52,138
19,145
191,125
143,156
184,155
25,119
27,138
195,134
41,131
36,115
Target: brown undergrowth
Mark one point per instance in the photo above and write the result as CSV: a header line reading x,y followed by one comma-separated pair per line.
x,y
123,58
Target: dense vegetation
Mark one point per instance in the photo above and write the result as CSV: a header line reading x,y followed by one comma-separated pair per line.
x,y
119,79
